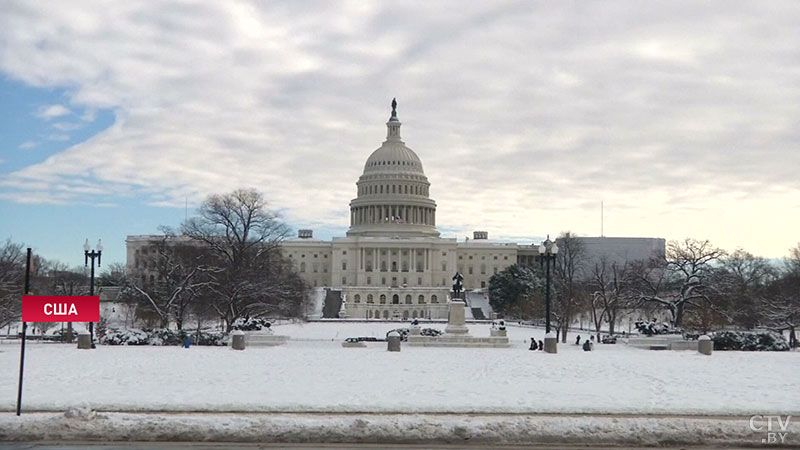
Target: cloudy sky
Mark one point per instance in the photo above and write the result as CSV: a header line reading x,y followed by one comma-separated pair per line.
x,y
682,117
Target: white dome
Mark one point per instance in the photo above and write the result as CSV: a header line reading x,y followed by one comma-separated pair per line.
x,y
392,198
393,156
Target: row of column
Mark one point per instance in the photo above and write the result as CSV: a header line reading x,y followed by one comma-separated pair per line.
x,y
375,256
360,215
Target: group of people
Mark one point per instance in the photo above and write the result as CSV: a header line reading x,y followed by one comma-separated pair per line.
x,y
587,345
534,346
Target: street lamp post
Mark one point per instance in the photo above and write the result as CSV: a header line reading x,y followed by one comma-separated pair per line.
x,y
547,257
87,255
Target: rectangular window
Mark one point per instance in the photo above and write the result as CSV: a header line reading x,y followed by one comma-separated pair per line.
x,y
344,280
419,281
344,265
369,280
470,270
444,267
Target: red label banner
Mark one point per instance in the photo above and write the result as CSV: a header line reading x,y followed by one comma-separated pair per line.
x,y
54,308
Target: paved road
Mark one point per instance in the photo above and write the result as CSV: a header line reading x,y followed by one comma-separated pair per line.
x,y
234,446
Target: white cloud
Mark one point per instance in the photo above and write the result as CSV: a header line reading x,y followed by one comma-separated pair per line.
x,y
52,111
525,115
28,145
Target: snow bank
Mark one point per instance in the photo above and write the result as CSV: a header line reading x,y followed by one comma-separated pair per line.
x,y
406,428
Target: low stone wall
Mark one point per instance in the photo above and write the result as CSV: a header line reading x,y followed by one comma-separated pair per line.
x,y
458,341
671,342
256,339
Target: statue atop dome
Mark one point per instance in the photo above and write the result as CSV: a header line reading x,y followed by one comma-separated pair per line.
x,y
394,109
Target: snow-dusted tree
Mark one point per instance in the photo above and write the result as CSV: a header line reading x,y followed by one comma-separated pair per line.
x,y
516,292
781,309
609,286
679,281
251,277
178,267
114,274
57,278
741,281
568,277
12,269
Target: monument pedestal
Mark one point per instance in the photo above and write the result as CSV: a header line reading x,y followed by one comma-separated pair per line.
x,y
456,324
456,333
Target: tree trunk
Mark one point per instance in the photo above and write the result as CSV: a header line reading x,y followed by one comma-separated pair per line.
x,y
792,338
676,322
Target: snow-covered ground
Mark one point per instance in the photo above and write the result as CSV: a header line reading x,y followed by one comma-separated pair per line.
x,y
313,373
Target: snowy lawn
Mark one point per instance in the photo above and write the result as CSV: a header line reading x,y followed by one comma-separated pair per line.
x,y
314,373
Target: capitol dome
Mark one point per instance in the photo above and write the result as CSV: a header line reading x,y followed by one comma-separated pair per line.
x,y
392,195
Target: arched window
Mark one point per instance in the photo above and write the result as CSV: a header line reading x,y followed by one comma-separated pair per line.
x,y
394,266
405,314
408,299
395,299
302,267
377,314
356,298
369,298
385,313
434,299
383,299
414,314
421,300
369,314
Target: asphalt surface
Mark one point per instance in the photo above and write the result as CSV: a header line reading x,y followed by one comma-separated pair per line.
x,y
235,446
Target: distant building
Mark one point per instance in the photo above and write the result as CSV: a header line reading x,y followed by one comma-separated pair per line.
x,y
392,263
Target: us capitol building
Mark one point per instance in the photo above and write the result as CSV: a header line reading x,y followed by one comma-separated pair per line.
x,y
392,262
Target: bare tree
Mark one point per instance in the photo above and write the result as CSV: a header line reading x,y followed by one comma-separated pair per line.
x,y
12,268
781,308
178,267
741,280
678,281
609,286
568,278
251,276
115,274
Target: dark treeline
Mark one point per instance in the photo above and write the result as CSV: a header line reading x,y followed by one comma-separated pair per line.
x,y
698,286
